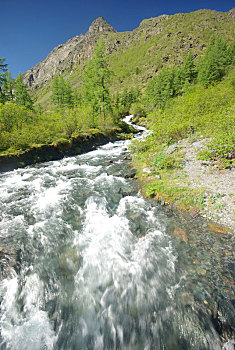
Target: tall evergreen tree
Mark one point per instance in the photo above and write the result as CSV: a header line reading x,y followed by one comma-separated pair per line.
x,y
3,69
189,68
95,86
22,96
7,87
212,66
160,89
62,95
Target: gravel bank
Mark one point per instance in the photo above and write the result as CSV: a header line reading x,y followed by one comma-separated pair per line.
x,y
219,185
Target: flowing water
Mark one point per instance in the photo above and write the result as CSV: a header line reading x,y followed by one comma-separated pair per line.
x,y
92,265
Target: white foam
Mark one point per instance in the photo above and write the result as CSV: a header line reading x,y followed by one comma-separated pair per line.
x,y
30,329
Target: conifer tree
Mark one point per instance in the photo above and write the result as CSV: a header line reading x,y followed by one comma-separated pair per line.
x,y
95,86
212,66
189,68
3,69
7,87
62,95
22,96
161,88
117,100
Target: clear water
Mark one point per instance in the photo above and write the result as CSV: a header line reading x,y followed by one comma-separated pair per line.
x,y
98,267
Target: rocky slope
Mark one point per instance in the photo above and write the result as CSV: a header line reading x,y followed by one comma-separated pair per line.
x,y
133,56
64,57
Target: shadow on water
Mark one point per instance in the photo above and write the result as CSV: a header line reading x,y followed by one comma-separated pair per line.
x,y
87,263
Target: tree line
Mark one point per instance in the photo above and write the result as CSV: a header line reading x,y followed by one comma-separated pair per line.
x,y
175,81
22,124
94,107
13,90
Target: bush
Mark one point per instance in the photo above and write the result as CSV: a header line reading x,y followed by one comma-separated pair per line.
x,y
163,161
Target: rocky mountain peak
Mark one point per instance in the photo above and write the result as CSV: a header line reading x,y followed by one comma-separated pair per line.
x,y
100,25
64,57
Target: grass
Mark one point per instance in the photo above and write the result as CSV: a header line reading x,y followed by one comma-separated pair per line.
x,y
172,186
182,196
211,113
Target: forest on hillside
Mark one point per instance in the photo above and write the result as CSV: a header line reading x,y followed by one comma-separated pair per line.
x,y
196,96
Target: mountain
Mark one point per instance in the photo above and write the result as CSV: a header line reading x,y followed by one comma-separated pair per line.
x,y
133,56
64,57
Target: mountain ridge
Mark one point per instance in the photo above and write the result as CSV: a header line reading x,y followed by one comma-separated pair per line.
x,y
64,56
158,41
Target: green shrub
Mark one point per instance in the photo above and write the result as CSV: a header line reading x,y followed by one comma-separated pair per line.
x,y
163,161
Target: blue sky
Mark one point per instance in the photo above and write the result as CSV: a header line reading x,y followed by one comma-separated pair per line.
x,y
30,29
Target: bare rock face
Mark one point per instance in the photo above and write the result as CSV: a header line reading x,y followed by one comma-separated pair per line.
x,y
232,13
100,25
62,58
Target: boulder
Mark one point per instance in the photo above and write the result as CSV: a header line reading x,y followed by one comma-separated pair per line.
x,y
148,170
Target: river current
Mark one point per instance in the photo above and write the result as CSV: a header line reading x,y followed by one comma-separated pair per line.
x,y
96,265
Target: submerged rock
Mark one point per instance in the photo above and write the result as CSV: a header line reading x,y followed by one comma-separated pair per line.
x,y
8,260
69,262
226,319
180,234
187,299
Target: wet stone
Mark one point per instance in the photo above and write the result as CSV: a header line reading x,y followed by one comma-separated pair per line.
x,y
201,272
180,234
69,262
131,173
8,259
187,299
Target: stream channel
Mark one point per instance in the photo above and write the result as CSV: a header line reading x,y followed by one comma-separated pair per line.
x,y
88,263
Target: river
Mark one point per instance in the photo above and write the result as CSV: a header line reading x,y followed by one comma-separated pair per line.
x,y
95,265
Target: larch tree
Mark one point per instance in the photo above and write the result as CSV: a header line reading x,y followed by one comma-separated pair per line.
x,y
212,66
22,96
95,86
8,87
62,95
3,69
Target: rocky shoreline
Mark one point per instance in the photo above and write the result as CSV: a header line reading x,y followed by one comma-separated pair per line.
x,y
218,184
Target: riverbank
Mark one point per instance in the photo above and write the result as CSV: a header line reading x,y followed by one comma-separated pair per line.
x,y
182,180
59,149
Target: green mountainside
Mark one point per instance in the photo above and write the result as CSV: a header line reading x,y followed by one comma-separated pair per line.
x,y
134,56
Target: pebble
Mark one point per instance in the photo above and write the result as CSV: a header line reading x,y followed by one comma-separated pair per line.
x,y
181,234
202,272
194,214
